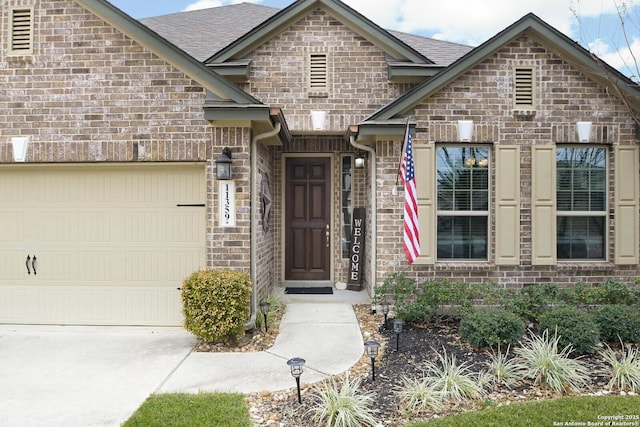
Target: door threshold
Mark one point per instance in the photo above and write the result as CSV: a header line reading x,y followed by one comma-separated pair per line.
x,y
307,284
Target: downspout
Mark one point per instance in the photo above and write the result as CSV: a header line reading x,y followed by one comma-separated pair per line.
x,y
374,203
251,323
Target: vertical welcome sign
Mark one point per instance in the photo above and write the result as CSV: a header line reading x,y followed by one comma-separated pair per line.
x,y
356,253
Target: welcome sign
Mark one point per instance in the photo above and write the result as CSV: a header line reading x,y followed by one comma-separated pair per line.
x,y
356,253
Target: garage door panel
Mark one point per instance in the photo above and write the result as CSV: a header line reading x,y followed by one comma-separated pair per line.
x,y
12,265
13,229
112,245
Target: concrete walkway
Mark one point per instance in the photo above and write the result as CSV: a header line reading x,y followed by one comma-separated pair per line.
x,y
98,376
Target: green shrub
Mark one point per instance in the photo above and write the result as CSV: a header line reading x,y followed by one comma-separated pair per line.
x,y
573,326
402,290
420,302
216,304
491,328
532,301
618,322
609,292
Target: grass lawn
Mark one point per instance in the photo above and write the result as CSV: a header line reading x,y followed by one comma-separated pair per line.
x,y
192,410
566,411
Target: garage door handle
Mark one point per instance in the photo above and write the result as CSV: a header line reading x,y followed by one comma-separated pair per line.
x,y
33,265
28,259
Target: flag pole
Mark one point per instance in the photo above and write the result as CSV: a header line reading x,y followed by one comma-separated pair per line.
x,y
404,144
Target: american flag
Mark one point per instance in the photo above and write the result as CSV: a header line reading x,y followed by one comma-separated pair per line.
x,y
407,175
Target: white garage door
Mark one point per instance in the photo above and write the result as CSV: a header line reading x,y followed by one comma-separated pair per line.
x,y
99,245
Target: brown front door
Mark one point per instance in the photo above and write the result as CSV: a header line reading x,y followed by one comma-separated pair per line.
x,y
308,209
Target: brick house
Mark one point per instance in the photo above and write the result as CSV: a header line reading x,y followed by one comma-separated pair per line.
x,y
112,130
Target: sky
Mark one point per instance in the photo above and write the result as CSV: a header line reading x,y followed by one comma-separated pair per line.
x,y
595,24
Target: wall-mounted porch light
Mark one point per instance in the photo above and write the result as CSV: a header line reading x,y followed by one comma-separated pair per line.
x,y
359,160
465,130
584,131
223,164
19,144
318,119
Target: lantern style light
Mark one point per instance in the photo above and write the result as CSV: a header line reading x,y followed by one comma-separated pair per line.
x,y
264,309
371,348
296,365
384,306
397,328
223,165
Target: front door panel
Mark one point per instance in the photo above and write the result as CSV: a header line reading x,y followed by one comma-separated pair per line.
x,y
308,209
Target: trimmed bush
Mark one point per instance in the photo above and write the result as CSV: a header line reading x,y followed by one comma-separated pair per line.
x,y
216,304
618,322
421,302
609,292
491,328
573,326
533,300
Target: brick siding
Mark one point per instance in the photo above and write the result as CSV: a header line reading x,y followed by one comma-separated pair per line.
x,y
484,95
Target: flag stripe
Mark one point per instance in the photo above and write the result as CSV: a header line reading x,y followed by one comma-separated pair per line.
x,y
411,238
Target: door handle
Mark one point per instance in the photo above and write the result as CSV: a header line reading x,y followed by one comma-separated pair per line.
x,y
28,259
33,265
327,234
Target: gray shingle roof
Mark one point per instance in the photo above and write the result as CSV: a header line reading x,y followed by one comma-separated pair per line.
x,y
202,33
440,52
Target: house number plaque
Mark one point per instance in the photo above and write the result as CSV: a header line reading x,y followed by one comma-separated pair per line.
x,y
227,203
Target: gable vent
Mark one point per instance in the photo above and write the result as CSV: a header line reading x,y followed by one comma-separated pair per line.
x,y
318,72
524,90
21,31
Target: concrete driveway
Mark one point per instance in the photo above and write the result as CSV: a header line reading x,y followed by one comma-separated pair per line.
x,y
103,373
66,376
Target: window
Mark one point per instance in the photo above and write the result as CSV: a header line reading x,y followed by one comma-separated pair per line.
x,y
21,36
463,202
581,191
347,205
523,89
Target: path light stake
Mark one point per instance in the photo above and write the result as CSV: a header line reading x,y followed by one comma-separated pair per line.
x,y
384,305
264,309
371,348
296,365
397,328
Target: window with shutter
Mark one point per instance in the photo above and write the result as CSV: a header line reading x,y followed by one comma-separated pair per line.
x,y
462,202
524,89
21,36
581,196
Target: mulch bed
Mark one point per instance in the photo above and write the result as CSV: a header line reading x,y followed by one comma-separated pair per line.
x,y
418,343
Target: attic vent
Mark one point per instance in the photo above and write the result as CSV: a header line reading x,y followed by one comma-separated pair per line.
x,y
21,38
523,88
318,74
